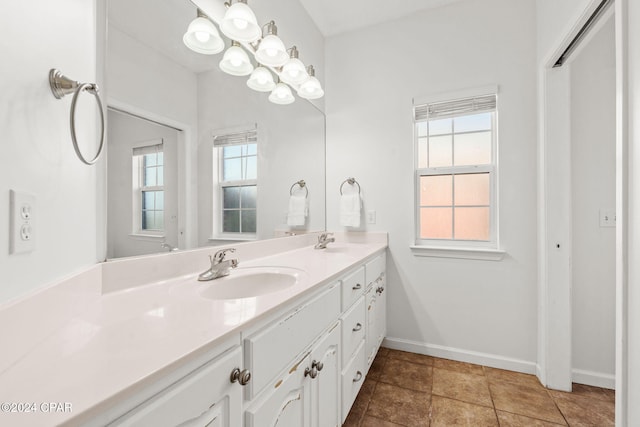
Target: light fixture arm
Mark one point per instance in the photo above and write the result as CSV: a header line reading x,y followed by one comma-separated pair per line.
x,y
272,29
293,52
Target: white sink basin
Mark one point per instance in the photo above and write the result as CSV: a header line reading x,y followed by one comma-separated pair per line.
x,y
247,282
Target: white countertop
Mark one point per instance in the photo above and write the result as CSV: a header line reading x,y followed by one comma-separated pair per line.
x,y
84,343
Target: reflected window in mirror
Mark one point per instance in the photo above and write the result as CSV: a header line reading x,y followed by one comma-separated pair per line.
x,y
148,191
238,187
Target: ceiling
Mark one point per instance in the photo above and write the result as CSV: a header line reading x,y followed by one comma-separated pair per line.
x,y
340,16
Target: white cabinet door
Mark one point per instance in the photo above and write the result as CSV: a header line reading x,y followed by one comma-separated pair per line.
x,y
288,403
325,407
381,309
204,397
371,339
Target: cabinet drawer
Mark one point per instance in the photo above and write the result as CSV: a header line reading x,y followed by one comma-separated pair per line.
x,y
268,351
353,329
352,379
204,397
374,268
353,286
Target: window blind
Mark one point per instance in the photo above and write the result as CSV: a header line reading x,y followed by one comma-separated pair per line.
x,y
148,149
456,107
236,138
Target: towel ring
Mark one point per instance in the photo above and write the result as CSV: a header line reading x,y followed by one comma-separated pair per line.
x,y
350,181
300,184
62,86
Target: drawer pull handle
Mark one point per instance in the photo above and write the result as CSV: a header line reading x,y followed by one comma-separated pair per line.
x,y
357,286
311,372
243,377
358,377
358,327
318,365
380,290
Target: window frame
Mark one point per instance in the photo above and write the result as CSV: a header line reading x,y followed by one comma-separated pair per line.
x,y
139,189
250,138
458,248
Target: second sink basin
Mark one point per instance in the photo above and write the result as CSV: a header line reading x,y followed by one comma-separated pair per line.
x,y
247,282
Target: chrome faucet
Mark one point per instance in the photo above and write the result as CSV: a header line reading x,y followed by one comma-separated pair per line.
x,y
165,245
324,240
220,267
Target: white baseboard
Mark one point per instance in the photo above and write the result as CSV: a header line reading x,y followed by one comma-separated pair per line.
x,y
486,359
596,379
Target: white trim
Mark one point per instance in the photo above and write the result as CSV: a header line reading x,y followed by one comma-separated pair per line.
x,y
241,237
485,254
147,237
458,94
461,355
596,379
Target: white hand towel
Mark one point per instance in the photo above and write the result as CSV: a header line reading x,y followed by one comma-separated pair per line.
x,y
297,210
350,210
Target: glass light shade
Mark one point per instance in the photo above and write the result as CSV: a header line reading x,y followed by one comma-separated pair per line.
x,y
203,37
281,94
310,89
294,72
240,23
261,80
271,52
236,62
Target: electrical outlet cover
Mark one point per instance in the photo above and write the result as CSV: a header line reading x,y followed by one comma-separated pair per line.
x,y
23,212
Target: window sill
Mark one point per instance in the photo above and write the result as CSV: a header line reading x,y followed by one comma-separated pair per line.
x,y
242,238
483,254
149,237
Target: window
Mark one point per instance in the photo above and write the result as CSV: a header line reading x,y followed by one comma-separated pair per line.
x,y
148,170
456,172
238,173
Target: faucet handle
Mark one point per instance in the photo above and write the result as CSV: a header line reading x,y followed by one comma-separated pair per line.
x,y
219,256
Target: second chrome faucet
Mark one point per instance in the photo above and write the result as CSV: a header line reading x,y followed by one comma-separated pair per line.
x,y
220,266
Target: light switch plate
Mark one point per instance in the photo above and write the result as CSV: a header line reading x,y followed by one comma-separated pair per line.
x,y
22,219
371,217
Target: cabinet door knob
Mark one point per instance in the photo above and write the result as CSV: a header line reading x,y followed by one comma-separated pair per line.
x,y
358,377
311,372
358,327
317,365
357,286
380,290
242,377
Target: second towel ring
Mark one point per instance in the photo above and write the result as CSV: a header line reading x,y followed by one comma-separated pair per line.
x,y
350,181
62,86
300,184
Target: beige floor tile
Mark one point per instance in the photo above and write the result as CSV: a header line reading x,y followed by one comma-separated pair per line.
x,y
448,412
500,375
420,359
453,365
407,375
399,405
507,419
377,422
594,392
584,411
524,400
461,386
376,367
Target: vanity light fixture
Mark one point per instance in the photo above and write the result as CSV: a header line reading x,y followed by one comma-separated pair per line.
x,y
236,61
311,88
202,36
240,23
271,50
293,71
281,94
261,80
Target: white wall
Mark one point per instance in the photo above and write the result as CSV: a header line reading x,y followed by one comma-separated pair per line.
x,y
37,154
593,166
437,305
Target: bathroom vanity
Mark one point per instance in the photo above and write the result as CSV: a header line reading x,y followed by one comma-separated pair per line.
x,y
286,339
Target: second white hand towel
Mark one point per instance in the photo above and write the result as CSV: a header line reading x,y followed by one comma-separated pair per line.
x,y
350,210
297,210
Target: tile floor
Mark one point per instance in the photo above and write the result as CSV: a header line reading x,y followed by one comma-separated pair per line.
x,y
407,389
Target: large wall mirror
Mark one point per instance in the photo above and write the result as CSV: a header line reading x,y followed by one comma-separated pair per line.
x,y
195,157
